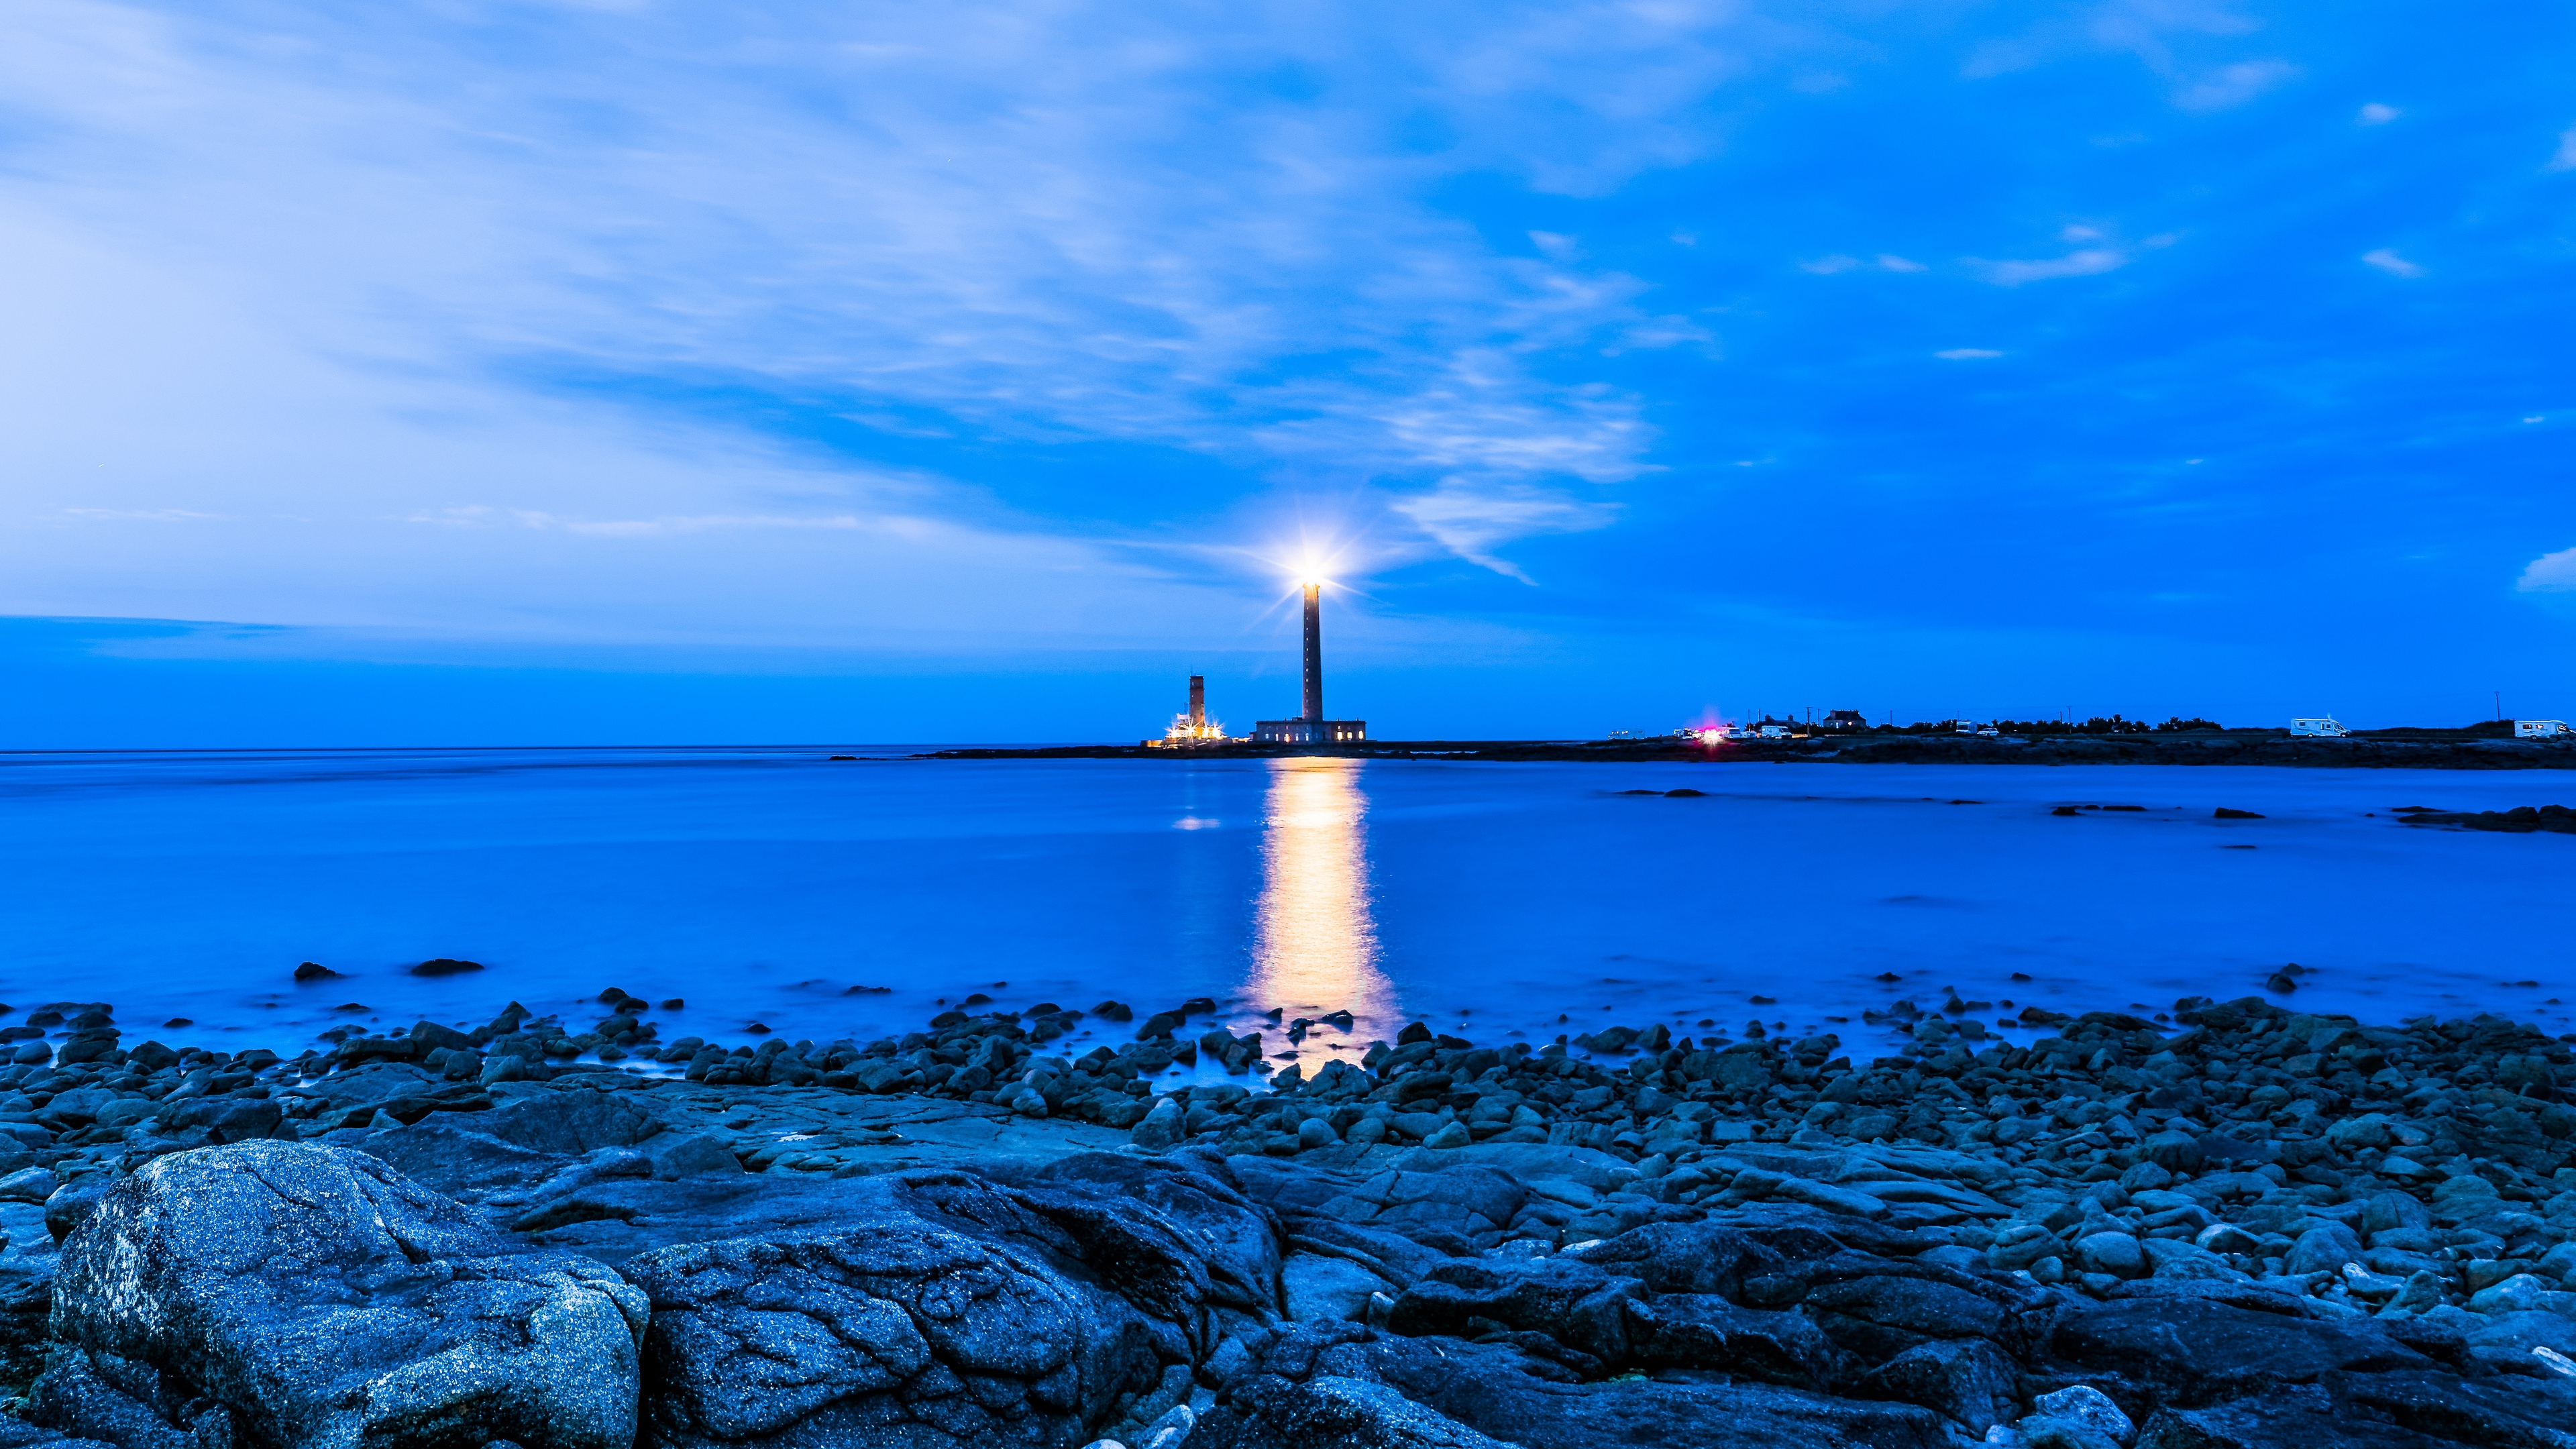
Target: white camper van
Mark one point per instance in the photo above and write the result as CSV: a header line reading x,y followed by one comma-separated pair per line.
x,y
2321,725
2542,729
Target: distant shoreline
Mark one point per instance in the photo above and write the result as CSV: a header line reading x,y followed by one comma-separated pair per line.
x,y
2245,747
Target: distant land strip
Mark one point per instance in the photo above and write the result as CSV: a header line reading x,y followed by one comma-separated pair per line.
x,y
2232,747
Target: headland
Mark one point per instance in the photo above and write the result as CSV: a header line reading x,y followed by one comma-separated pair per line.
x,y
2386,749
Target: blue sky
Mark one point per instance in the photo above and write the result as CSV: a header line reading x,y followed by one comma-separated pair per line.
x,y
479,372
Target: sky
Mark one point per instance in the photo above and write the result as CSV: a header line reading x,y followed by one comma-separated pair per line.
x,y
491,373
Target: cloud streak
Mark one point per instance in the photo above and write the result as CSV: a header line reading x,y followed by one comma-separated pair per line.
x,y
2551,573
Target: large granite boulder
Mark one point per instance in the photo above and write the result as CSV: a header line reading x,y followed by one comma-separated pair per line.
x,y
276,1294
891,1332
945,1308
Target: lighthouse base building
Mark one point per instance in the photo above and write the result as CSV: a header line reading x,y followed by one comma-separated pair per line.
x,y
1309,731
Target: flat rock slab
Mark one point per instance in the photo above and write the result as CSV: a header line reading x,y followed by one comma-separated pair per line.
x,y
2189,1353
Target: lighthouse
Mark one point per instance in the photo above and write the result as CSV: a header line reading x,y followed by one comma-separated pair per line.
x,y
1310,727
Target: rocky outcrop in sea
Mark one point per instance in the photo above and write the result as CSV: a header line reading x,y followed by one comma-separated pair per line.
x,y
2247,1226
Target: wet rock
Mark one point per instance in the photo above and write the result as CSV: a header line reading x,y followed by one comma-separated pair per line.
x,y
1162,1127
308,1295
445,966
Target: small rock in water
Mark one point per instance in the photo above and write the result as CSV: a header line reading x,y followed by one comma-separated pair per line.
x,y
674,1004
2223,813
445,966
315,971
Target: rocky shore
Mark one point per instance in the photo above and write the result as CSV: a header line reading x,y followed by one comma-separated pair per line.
x,y
2521,820
2244,1226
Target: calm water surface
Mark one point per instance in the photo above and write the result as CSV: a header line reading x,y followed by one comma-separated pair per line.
x,y
1493,899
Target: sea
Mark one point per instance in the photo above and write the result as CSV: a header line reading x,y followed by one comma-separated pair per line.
x,y
783,891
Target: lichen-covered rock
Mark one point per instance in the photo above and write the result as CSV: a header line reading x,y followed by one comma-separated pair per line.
x,y
298,1294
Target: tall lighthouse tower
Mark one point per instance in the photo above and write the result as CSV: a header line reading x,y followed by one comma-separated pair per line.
x,y
1310,727
1314,697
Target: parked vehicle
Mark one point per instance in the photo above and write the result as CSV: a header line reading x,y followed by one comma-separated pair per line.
x,y
2542,729
2321,725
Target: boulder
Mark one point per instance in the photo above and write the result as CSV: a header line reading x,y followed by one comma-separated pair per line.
x,y
1881,1316
2086,1405
1967,1380
1705,1331
1687,1258
891,1331
1572,1302
1332,1412
2324,1249
302,1294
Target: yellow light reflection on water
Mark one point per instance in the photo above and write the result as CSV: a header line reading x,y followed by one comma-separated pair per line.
x,y
1315,949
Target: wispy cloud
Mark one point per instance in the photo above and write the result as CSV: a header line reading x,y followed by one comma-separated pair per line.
x,y
143,515
2565,157
2551,573
2376,114
1964,354
2233,85
1883,262
2088,262
1470,518
484,516
2390,262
